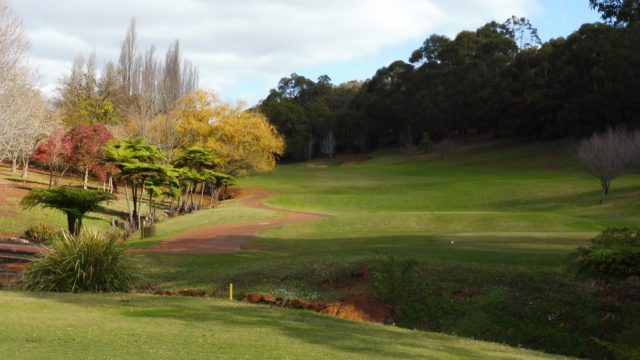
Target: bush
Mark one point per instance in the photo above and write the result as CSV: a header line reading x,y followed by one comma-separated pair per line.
x,y
615,253
43,233
91,261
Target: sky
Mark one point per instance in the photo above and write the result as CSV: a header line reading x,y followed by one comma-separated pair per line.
x,y
242,48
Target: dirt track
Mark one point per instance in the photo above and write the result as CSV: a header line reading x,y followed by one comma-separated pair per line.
x,y
228,238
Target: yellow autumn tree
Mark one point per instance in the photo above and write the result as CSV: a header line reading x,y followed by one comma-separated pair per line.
x,y
244,139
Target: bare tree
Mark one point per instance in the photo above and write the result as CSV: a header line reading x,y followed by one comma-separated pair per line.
x,y
16,89
23,119
127,57
171,78
13,42
328,145
606,156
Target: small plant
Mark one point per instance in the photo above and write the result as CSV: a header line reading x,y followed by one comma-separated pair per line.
x,y
90,261
615,253
42,233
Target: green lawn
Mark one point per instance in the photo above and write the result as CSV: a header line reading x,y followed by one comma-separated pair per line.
x,y
119,326
500,205
497,220
490,228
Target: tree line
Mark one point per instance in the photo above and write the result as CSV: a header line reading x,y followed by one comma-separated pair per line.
x,y
497,80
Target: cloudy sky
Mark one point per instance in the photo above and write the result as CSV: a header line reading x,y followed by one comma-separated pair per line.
x,y
242,48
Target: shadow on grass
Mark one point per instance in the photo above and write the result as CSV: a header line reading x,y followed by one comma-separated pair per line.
x,y
360,339
110,212
27,181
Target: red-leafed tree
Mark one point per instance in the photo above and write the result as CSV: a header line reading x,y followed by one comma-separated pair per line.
x,y
52,154
87,144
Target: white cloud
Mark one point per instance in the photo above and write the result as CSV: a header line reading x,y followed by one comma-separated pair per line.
x,y
233,40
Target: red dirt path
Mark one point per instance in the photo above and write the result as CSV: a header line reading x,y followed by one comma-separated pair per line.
x,y
228,238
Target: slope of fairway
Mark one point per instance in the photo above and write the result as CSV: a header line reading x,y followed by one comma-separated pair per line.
x,y
491,228
500,204
67,326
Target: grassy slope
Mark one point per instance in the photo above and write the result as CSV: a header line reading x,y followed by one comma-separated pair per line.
x,y
501,205
507,208
150,327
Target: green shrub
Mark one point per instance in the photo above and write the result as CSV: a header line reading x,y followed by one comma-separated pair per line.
x,y
42,233
91,261
614,253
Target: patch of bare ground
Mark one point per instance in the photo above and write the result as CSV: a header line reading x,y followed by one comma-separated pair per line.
x,y
352,307
228,238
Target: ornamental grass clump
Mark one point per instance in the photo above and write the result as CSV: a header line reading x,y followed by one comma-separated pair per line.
x,y
91,261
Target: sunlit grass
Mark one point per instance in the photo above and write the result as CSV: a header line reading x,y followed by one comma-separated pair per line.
x,y
40,326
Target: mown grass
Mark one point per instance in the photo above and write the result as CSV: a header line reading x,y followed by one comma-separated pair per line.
x,y
502,214
494,222
119,326
485,204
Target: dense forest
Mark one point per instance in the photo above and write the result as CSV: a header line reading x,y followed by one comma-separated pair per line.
x,y
499,80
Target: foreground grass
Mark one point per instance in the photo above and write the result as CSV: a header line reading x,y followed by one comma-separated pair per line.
x,y
491,228
120,326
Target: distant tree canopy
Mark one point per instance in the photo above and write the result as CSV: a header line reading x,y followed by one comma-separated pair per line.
x,y
498,80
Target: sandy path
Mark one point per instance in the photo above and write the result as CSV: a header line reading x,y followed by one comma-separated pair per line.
x,y
228,238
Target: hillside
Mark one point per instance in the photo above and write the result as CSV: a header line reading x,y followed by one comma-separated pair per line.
x,y
489,227
151,327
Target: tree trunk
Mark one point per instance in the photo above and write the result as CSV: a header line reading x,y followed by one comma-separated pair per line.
x,y
152,212
14,165
211,200
140,225
201,196
74,223
50,178
25,168
605,190
126,196
85,181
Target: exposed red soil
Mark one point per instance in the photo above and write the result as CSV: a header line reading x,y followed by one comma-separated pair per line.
x,y
352,307
184,292
228,238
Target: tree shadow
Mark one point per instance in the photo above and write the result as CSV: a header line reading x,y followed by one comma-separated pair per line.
x,y
27,181
356,338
